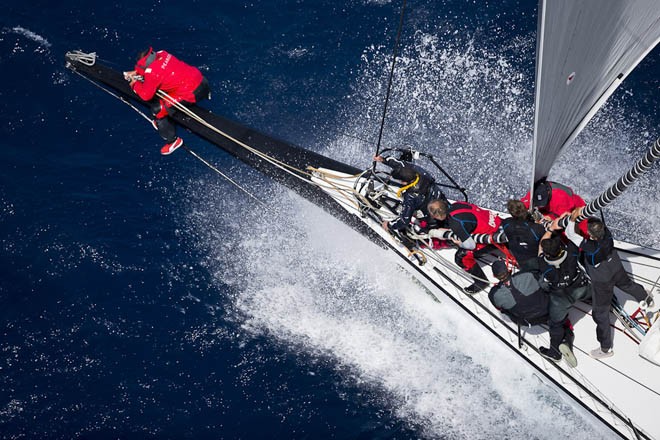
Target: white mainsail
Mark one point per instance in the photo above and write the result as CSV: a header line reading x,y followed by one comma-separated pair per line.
x,y
585,49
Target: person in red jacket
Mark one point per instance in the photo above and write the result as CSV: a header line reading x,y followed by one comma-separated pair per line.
x,y
554,200
185,84
466,221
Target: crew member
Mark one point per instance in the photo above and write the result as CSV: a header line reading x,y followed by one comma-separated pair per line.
x,y
418,189
567,284
183,83
464,219
522,235
604,267
553,199
520,295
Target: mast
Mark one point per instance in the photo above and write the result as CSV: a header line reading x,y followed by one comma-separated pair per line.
x,y
540,33
585,49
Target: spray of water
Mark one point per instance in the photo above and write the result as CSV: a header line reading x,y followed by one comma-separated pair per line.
x,y
322,287
470,103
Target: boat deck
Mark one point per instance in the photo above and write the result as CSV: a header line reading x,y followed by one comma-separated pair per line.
x,y
618,390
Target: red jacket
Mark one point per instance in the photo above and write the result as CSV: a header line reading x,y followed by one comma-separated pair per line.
x,y
562,200
467,218
168,74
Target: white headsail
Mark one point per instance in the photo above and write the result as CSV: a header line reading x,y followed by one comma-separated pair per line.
x,y
585,49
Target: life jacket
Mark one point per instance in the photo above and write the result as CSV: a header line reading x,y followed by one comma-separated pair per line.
x,y
595,252
484,221
163,71
562,199
420,184
522,298
563,272
522,238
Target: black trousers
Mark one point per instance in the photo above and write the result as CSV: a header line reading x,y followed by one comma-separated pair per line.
x,y
166,129
467,260
561,301
603,279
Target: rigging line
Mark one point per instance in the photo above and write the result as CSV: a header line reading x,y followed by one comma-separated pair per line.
x,y
389,85
295,172
110,92
229,179
324,176
198,157
89,58
345,193
640,167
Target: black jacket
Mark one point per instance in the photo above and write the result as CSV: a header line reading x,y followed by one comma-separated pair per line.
x,y
521,298
415,198
523,238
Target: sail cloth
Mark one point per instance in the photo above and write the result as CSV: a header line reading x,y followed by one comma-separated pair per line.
x,y
585,48
649,349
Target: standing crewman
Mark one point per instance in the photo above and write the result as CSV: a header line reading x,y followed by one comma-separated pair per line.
x,y
184,84
567,284
604,267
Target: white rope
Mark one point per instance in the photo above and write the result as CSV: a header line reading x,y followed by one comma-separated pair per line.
x,y
229,179
88,59
293,171
277,163
348,194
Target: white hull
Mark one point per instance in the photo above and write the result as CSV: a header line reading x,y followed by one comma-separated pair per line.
x,y
618,390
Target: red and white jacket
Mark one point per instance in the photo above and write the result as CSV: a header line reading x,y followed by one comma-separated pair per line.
x,y
163,71
562,200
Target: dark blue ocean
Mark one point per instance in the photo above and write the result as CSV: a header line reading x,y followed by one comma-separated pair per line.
x,y
144,296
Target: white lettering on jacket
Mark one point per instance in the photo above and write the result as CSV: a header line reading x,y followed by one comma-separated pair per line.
x,y
491,219
167,60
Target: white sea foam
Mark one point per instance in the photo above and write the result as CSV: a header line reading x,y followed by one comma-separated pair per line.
x,y
31,35
323,287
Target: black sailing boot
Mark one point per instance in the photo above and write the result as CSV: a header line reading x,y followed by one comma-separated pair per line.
x,y
478,284
566,348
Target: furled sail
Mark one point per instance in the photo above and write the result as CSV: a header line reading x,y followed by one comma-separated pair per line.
x,y
585,49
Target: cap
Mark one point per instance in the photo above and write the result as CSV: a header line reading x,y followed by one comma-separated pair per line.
x,y
542,194
499,268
